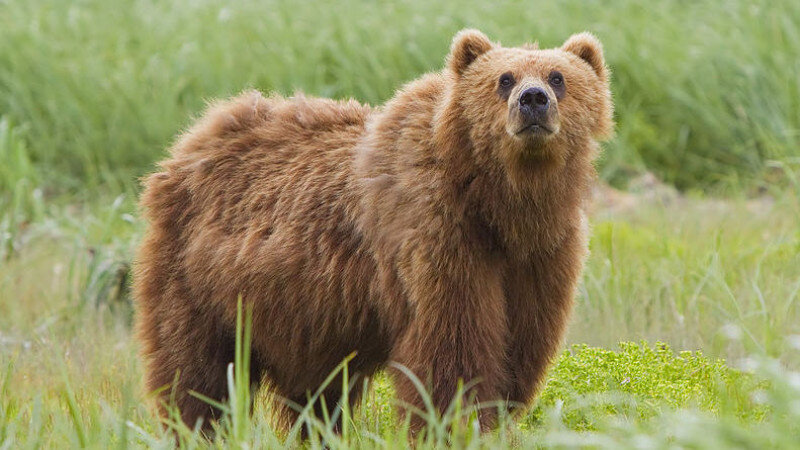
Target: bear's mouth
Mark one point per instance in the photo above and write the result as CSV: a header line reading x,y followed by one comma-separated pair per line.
x,y
535,128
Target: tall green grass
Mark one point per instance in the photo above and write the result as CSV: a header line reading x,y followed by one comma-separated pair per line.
x,y
706,92
21,199
85,395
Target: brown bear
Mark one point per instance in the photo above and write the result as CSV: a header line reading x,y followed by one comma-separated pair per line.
x,y
443,231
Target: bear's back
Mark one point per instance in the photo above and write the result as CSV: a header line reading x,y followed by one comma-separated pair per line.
x,y
253,154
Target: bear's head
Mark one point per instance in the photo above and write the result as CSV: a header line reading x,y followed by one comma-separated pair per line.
x,y
528,102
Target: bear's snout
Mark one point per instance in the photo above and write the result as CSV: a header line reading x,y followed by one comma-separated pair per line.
x,y
533,113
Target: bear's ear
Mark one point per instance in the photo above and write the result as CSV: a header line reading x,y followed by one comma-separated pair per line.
x,y
589,49
467,46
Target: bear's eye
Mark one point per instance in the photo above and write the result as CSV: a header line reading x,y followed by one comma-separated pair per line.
x,y
556,79
506,80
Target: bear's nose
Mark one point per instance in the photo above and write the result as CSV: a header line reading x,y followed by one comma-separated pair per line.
x,y
535,99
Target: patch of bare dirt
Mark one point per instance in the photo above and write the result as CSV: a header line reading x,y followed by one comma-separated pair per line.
x,y
648,190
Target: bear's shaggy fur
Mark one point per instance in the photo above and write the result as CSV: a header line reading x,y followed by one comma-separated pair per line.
x,y
431,232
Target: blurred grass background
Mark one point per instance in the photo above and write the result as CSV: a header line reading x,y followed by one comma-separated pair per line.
x,y
707,93
707,98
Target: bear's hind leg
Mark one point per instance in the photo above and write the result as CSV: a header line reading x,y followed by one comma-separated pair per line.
x,y
190,358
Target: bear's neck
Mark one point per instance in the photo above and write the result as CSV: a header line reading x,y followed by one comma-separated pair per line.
x,y
530,204
535,209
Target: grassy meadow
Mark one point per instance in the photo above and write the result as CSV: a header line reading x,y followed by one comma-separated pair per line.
x,y
686,332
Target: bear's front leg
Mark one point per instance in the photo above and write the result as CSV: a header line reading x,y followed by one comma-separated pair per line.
x,y
540,294
457,333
